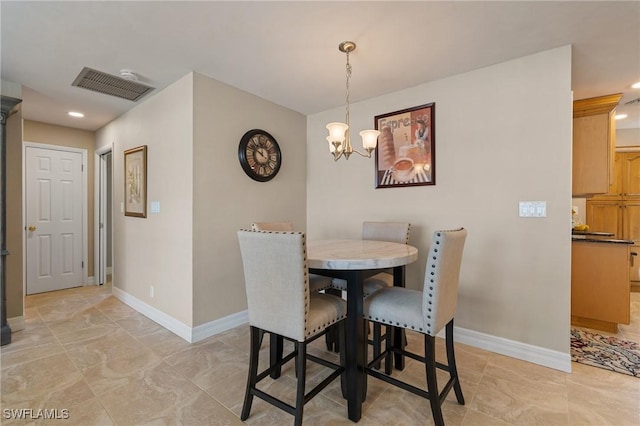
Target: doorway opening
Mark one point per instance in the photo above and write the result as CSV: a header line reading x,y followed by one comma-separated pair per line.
x,y
104,213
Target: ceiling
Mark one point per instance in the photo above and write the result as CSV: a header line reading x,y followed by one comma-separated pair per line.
x,y
287,52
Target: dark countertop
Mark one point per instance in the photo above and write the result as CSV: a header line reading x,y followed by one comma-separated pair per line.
x,y
595,234
601,240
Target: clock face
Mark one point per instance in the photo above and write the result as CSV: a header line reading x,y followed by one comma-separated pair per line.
x,y
259,155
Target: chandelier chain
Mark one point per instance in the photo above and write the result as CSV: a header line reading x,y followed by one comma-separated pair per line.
x,y
348,78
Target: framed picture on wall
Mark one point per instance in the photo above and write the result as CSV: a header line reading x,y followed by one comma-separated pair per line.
x,y
406,147
135,182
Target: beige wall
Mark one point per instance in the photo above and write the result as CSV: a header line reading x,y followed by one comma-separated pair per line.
x,y
157,250
628,137
503,135
35,131
14,262
226,199
189,251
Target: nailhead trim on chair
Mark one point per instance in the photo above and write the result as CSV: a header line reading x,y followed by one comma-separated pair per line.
x,y
290,279
432,280
436,395
308,333
385,321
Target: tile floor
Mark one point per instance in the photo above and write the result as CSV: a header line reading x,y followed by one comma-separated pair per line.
x,y
86,352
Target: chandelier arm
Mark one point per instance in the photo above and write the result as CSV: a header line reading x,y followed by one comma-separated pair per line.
x,y
367,155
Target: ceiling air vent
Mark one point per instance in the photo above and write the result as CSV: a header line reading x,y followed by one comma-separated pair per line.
x,y
108,84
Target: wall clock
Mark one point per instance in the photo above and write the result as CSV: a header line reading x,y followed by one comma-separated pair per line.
x,y
259,155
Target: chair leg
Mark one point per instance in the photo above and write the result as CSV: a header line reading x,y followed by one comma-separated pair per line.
x,y
343,358
377,343
331,338
301,347
432,382
451,361
387,347
253,372
276,344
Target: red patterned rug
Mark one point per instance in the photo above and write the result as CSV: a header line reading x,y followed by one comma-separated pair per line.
x,y
610,353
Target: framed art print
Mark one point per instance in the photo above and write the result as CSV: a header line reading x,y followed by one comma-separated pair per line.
x,y
406,147
135,182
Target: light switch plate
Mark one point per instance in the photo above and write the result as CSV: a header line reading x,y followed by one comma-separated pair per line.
x,y
533,209
155,207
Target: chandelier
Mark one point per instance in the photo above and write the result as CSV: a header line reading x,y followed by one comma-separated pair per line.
x,y
339,139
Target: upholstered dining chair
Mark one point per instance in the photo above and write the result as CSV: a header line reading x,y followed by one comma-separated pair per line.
x,y
279,302
395,232
425,312
316,282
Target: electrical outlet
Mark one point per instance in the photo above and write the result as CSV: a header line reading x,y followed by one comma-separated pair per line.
x,y
151,291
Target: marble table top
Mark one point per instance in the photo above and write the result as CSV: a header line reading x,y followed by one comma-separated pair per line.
x,y
358,254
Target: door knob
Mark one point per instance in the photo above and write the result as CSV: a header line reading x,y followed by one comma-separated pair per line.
x,y
32,228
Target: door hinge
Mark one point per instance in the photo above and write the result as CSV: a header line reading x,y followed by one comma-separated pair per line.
x,y
82,167
83,263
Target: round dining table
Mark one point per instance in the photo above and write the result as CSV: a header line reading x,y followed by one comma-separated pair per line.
x,y
354,261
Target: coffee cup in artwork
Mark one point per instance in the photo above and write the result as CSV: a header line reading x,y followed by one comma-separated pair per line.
x,y
403,167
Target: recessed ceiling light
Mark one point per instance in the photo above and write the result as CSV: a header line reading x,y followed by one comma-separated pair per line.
x,y
636,85
620,116
76,114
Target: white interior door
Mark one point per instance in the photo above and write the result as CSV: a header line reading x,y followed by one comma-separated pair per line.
x,y
54,219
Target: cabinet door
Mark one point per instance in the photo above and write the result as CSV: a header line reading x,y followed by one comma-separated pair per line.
x,y
591,155
630,175
605,216
631,220
600,282
615,190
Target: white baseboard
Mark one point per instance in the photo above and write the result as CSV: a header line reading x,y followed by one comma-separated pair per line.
x,y
212,328
91,280
16,323
524,351
109,270
190,334
167,321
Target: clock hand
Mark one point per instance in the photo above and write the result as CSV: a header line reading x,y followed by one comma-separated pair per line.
x,y
263,154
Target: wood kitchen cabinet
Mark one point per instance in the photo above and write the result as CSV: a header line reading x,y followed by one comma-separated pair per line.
x,y
618,211
594,144
605,216
629,174
600,296
626,183
622,219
